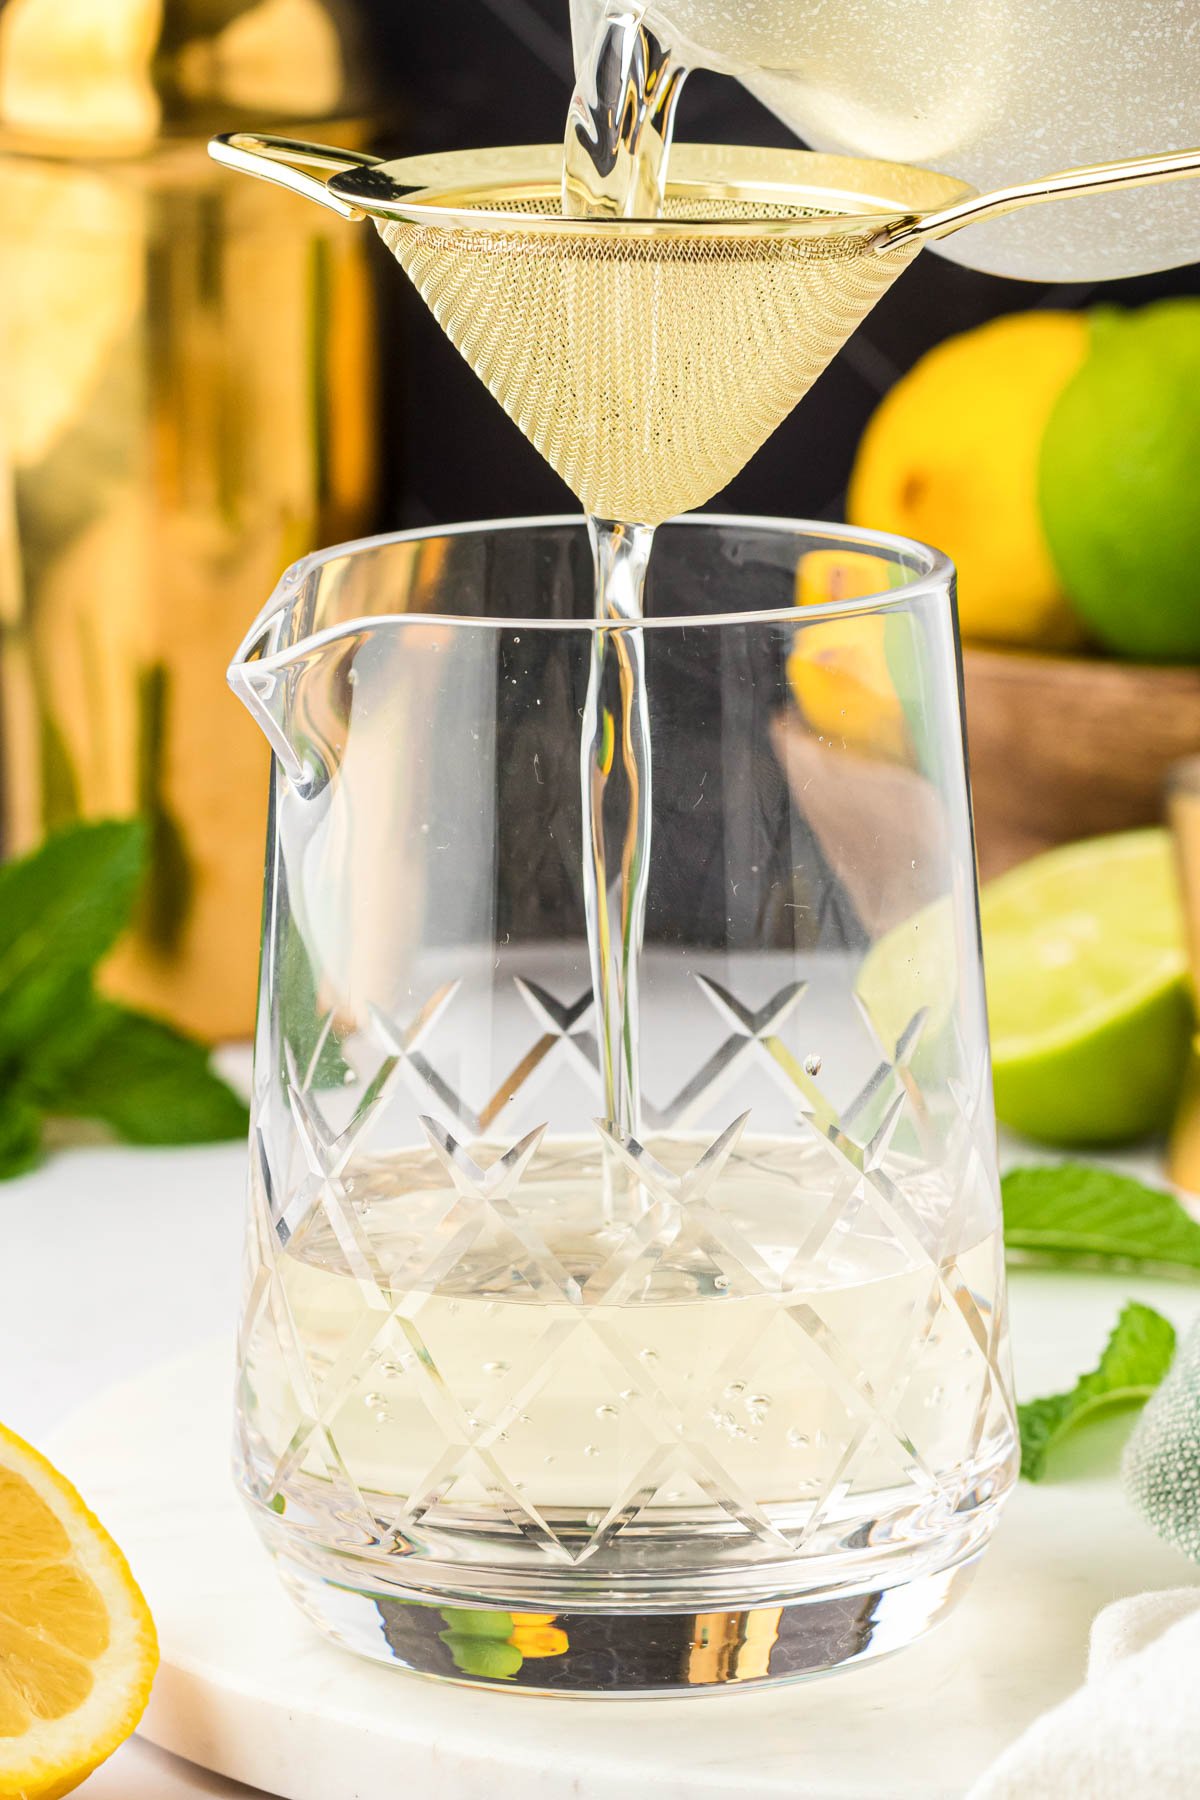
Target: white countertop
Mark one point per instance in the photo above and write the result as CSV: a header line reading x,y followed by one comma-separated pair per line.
x,y
116,1260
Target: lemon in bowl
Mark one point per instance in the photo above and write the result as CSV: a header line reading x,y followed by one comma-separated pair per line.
x,y
952,456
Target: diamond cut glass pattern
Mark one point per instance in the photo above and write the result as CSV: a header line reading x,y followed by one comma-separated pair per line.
x,y
501,1353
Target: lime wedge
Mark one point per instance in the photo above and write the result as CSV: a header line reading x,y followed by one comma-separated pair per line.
x,y
1087,990
911,972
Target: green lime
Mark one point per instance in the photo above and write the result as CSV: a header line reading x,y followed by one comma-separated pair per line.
x,y
912,971
1087,990
1117,482
467,1621
487,1658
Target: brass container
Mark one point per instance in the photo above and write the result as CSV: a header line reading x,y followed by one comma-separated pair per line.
x,y
188,404
1183,808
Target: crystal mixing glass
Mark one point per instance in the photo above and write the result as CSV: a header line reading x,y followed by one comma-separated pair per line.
x,y
527,1397
625,1301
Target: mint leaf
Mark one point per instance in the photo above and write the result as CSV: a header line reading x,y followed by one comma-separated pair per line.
x,y
63,1049
1072,1213
1132,1363
60,909
143,1079
20,1133
47,1065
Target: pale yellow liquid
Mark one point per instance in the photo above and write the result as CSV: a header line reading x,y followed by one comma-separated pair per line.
x,y
696,1387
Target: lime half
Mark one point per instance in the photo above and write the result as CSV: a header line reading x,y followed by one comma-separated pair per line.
x,y
1087,990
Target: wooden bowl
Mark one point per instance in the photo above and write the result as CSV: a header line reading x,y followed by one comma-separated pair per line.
x,y
1065,747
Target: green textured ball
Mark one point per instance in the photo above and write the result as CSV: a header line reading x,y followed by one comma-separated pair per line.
x,y
1119,483
486,1658
467,1622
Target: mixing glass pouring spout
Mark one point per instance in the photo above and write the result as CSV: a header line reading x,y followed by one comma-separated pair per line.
x,y
292,673
1097,178
261,682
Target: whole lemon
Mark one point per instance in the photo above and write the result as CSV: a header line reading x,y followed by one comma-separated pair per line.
x,y
838,668
1119,471
951,456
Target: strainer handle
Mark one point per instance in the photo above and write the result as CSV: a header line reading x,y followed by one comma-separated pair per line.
x,y
1097,178
290,162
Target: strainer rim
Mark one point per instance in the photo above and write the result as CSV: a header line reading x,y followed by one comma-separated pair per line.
x,y
370,189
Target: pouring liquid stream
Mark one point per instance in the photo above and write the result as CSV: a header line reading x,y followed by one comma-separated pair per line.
x,y
615,154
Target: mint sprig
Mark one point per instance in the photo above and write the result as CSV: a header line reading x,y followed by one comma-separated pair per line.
x,y
64,1050
61,908
1132,1363
1069,1213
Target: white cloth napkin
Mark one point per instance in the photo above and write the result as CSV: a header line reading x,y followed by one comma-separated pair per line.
x,y
1133,1729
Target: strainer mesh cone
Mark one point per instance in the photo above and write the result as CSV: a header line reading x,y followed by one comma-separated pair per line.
x,y
647,369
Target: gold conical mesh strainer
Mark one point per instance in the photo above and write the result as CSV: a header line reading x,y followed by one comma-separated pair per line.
x,y
647,359
648,365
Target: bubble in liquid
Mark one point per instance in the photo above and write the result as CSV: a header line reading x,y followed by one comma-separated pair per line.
x,y
734,1389
606,1412
721,1282
522,1418
495,1368
472,1423
590,1450
547,1459
593,1519
812,1064
349,1078
371,1401
797,1439
937,1395
381,1417
628,1394
758,1406
648,1356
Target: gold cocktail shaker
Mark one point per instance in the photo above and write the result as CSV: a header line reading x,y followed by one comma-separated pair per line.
x,y
187,404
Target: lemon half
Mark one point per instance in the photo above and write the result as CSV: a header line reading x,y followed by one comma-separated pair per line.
x,y
77,1644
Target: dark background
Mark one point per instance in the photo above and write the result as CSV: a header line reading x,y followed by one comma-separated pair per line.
x,y
464,73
